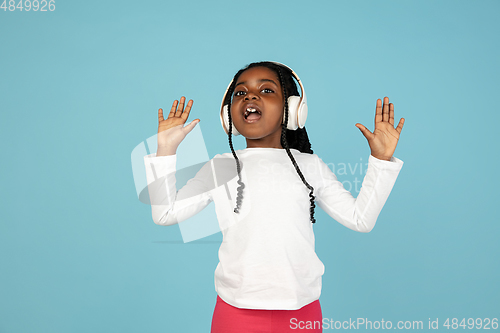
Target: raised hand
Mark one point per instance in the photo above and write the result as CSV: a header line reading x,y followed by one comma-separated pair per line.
x,y
171,131
385,137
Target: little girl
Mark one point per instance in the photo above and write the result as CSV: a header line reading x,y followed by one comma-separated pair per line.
x,y
269,276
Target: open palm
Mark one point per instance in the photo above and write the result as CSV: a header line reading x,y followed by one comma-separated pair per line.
x,y
171,131
385,137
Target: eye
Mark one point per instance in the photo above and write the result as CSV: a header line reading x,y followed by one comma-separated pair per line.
x,y
239,93
267,90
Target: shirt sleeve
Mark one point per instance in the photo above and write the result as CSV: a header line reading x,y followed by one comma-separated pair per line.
x,y
169,206
361,213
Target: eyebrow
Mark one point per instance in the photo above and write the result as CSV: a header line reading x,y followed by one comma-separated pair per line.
x,y
262,80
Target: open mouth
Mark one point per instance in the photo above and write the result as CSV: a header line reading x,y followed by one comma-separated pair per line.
x,y
252,114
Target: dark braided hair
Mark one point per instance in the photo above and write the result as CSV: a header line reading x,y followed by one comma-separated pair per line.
x,y
294,139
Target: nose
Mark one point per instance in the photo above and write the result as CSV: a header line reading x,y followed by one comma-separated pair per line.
x,y
250,95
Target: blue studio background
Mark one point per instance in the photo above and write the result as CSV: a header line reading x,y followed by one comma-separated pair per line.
x,y
80,87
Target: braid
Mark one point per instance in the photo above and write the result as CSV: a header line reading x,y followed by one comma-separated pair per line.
x,y
284,141
241,185
296,139
299,140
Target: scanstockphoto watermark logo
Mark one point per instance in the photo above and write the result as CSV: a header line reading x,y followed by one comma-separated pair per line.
x,y
268,176
351,175
366,324
162,185
355,324
156,184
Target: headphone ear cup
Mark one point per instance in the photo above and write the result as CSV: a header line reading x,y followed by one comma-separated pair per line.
x,y
293,110
225,121
302,115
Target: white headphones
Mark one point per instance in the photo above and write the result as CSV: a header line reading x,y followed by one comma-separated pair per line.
x,y
297,108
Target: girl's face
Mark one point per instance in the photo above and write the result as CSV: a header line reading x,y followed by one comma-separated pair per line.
x,y
257,107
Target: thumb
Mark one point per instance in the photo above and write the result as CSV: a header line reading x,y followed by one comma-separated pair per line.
x,y
368,135
188,128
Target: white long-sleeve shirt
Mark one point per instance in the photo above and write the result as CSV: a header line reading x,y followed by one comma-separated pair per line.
x,y
267,256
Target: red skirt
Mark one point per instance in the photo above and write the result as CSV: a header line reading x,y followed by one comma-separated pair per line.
x,y
230,319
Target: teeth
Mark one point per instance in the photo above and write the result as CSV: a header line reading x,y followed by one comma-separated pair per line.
x,y
250,110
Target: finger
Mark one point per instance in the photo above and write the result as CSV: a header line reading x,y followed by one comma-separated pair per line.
x,y
400,125
188,128
160,115
391,114
378,111
172,109
185,114
180,107
368,135
385,110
